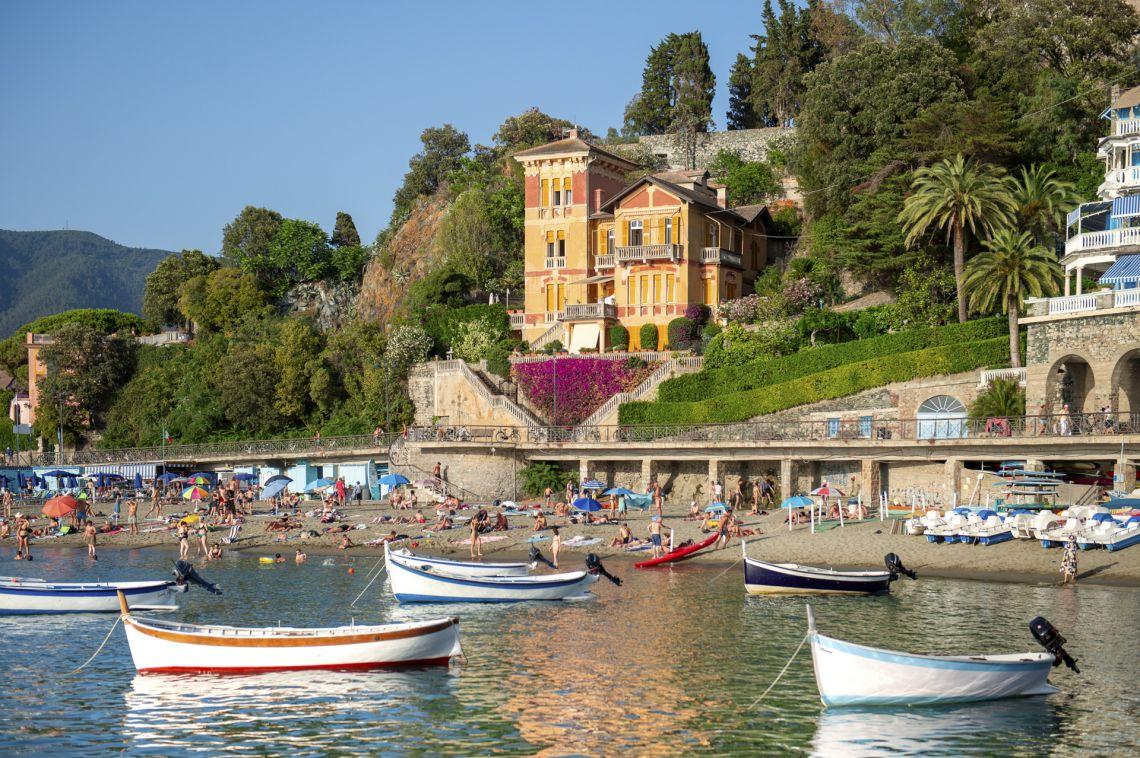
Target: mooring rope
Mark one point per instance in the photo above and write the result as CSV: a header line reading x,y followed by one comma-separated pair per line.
x,y
730,568
381,567
782,671
99,650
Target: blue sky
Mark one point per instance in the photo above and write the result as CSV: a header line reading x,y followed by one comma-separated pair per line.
x,y
154,123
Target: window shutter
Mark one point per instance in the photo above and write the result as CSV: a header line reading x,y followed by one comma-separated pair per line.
x,y
567,184
625,234
602,242
545,193
561,235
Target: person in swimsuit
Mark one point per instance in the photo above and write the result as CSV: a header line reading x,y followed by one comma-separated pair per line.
x,y
555,544
624,537
203,545
23,549
183,541
655,527
89,533
300,557
476,540
132,516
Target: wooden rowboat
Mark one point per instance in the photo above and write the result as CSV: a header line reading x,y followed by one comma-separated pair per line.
x,y
464,568
20,596
171,647
679,554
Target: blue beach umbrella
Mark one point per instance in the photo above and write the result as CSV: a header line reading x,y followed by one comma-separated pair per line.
x,y
393,480
593,484
273,489
72,483
797,501
320,484
243,477
277,478
57,473
20,479
587,504
167,478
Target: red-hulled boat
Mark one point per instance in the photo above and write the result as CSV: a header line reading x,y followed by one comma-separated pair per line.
x,y
679,554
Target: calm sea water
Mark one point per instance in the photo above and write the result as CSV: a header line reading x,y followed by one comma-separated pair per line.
x,y
670,663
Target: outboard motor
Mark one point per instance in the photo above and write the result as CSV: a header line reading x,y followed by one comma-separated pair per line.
x,y
895,567
184,572
595,567
1049,638
537,557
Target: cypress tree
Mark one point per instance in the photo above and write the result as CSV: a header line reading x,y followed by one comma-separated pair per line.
x,y
741,114
344,233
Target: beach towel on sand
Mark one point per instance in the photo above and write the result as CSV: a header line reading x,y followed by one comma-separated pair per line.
x,y
581,541
492,538
538,538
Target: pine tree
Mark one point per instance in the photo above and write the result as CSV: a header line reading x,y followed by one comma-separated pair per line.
x,y
649,111
741,114
694,83
676,74
344,233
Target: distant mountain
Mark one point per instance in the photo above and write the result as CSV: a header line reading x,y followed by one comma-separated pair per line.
x,y
47,272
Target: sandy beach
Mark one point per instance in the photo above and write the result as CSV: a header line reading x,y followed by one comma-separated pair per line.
x,y
855,545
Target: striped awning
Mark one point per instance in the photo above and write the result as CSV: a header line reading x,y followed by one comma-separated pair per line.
x,y
1128,205
1125,270
125,470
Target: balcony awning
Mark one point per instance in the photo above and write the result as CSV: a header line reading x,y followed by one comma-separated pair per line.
x,y
1128,205
584,337
1125,270
598,279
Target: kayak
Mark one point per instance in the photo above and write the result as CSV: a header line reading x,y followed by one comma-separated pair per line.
x,y
679,554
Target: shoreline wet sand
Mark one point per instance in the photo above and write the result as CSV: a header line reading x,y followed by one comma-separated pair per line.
x,y
856,545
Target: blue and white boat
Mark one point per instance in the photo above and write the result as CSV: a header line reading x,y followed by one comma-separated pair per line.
x,y
764,578
947,531
850,674
1126,535
464,568
988,529
19,596
415,582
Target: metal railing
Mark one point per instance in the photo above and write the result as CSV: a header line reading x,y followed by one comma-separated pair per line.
x,y
588,311
649,252
1105,240
720,255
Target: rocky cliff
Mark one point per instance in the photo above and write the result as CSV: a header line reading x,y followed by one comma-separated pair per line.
x,y
330,305
411,256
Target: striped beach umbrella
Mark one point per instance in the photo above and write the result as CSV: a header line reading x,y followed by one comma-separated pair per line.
x,y
195,493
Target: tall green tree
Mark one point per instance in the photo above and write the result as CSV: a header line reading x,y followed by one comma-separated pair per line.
x,y
160,296
650,111
443,150
677,88
1042,201
344,232
467,237
84,368
246,239
220,300
741,114
1010,268
299,253
962,198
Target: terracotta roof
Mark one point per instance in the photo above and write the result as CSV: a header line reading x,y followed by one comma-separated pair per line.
x,y
750,212
1128,99
6,380
696,198
570,145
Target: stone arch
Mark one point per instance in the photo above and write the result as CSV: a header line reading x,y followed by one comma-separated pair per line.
x,y
941,417
1125,386
1070,381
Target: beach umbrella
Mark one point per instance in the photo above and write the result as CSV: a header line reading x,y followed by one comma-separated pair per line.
x,y
198,479
60,506
593,484
393,480
57,473
72,483
4,480
20,479
167,478
278,478
320,484
619,491
587,504
273,489
244,477
138,481
797,501
827,491
36,481
195,493
206,474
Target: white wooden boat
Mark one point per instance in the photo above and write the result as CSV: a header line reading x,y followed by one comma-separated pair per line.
x,y
172,647
464,568
413,582
850,674
764,578
19,596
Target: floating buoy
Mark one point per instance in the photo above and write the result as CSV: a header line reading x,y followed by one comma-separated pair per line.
x,y
351,570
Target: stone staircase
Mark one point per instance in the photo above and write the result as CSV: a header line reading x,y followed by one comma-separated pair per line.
x,y
521,416
556,332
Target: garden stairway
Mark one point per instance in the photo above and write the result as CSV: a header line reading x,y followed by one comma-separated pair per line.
x,y
607,412
519,416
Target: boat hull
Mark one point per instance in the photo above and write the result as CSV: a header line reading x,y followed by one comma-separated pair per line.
x,y
466,568
411,584
1120,543
679,554
849,674
763,578
34,596
190,649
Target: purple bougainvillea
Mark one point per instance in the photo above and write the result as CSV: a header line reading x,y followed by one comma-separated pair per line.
x,y
578,388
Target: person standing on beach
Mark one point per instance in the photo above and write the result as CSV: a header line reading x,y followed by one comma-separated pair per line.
x,y
8,500
89,533
23,529
155,503
655,527
183,533
549,495
476,540
555,544
658,496
132,516
1069,561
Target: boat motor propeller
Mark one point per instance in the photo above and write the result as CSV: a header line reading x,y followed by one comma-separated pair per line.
x,y
184,572
1049,638
895,567
537,557
594,566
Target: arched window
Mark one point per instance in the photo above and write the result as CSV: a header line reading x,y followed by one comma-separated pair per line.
x,y
941,417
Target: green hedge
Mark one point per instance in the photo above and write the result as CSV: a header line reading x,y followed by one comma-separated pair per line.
x,y
648,335
823,385
619,337
733,379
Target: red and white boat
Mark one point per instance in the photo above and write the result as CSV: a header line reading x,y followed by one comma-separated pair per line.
x,y
171,647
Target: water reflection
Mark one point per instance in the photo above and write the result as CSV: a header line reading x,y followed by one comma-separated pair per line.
x,y
1023,725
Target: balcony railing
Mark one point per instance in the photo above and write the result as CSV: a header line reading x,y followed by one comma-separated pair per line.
x,y
631,253
1127,126
1106,240
557,261
518,321
1123,298
1072,304
1122,177
588,312
720,255
1091,301
604,261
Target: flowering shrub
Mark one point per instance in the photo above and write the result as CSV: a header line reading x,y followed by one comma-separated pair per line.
x,y
752,309
684,333
736,345
407,344
474,339
568,390
698,313
801,293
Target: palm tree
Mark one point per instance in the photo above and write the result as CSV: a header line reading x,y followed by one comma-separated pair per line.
x,y
1004,398
1042,201
960,196
1011,268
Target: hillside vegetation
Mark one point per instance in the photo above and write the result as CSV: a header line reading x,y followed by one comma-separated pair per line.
x,y
48,272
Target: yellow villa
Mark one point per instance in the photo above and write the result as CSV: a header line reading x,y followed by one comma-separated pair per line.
x,y
601,252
